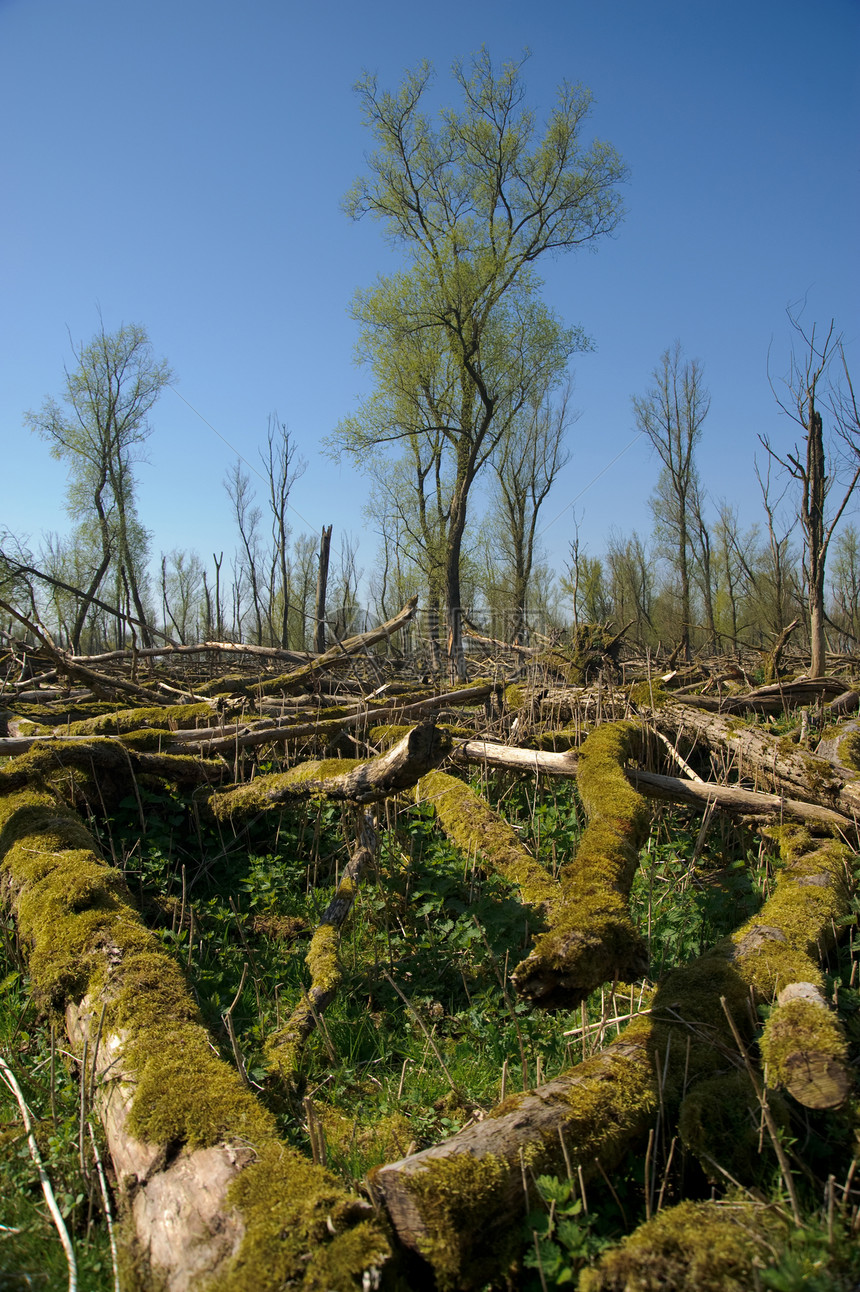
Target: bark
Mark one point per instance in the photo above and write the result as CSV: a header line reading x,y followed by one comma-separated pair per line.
x,y
728,798
421,749
460,1204
780,765
322,585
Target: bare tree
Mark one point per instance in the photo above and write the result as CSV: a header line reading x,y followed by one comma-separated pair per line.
x,y
808,387
98,431
671,414
526,464
282,468
247,516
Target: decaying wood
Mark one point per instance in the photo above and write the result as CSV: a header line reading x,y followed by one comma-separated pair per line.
x,y
459,1202
181,1128
284,1048
421,749
806,1047
778,765
672,789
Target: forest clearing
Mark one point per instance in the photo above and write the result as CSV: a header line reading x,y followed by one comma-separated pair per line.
x,y
318,976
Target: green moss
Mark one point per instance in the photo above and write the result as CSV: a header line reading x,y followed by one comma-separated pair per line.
x,y
592,937
516,697
804,1032
266,792
383,737
650,695
173,717
783,942
694,1247
474,828
457,1198
720,1123
290,1209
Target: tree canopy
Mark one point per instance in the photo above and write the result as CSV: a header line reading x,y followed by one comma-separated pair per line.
x,y
459,340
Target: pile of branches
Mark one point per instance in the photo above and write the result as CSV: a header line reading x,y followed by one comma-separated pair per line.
x,y
232,1188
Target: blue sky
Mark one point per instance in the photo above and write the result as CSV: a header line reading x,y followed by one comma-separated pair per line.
x,y
181,164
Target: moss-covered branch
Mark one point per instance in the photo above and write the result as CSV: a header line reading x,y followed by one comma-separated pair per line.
x,y
591,936
284,1048
693,1247
187,1140
345,779
473,827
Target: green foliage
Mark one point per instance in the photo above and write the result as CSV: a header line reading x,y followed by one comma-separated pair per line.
x,y
459,342
563,1236
692,889
30,1251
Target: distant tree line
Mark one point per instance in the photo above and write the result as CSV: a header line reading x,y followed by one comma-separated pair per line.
x,y
471,401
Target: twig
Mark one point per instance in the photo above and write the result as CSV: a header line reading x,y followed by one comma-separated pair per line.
x,y
9,1078
772,1131
107,1207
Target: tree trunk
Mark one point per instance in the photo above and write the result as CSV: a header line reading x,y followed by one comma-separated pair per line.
x,y
322,585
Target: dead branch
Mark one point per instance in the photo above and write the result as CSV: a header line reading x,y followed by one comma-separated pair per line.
x,y
284,1048
364,782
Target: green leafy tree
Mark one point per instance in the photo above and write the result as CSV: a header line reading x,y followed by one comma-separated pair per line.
x,y
98,429
459,341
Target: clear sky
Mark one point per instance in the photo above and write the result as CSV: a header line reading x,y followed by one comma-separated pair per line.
x,y
180,164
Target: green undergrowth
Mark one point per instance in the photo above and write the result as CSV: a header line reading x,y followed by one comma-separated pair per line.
x,y
31,1254
237,904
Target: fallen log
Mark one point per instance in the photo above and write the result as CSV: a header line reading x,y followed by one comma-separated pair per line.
x,y
473,827
591,937
778,764
283,1049
421,749
215,1197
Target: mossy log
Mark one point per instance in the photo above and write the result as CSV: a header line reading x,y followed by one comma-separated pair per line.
x,y
698,794
473,827
778,764
283,1048
591,937
95,770
805,1048
216,1198
460,1203
692,1247
345,780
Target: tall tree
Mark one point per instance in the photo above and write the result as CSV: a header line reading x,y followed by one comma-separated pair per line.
x,y
98,430
526,464
459,342
671,414
809,387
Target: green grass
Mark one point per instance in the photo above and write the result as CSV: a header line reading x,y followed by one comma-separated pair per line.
x,y
31,1254
448,934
